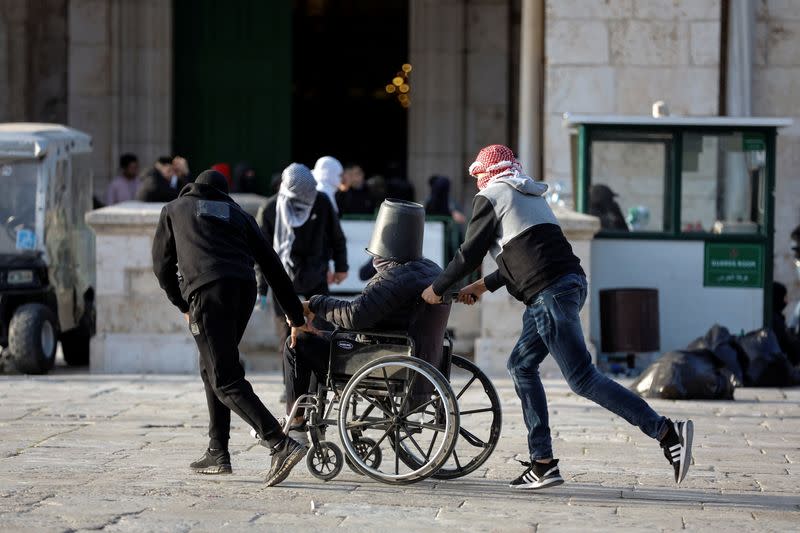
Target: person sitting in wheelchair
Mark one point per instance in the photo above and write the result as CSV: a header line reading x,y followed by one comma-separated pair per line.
x,y
390,302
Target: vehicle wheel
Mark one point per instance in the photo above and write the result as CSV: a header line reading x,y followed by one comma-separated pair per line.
x,y
403,401
75,345
32,339
324,461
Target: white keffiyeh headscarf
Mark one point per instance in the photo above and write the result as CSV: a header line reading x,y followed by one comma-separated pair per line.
x,y
296,197
328,173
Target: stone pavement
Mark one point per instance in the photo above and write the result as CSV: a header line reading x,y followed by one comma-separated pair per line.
x,y
88,452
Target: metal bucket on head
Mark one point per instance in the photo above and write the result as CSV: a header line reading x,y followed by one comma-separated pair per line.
x,y
399,231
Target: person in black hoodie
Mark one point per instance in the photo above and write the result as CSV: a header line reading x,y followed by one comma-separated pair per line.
x,y
203,254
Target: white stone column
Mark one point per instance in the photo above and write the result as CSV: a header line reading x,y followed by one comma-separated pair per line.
x,y
501,314
436,117
529,142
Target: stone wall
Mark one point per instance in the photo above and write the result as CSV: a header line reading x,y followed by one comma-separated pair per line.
x,y
120,79
776,92
462,53
33,65
619,56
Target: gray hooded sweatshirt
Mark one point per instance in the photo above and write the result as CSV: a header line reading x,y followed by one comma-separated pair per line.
x,y
512,221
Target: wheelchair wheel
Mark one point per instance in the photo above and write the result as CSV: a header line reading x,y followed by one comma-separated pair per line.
x,y
480,420
398,401
368,451
324,461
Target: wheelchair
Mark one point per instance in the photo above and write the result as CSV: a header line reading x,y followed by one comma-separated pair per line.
x,y
400,418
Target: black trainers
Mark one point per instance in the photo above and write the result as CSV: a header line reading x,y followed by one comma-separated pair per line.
x,y
299,432
677,445
538,476
213,462
284,457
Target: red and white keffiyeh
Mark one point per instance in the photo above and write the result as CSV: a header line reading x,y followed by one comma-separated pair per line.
x,y
494,161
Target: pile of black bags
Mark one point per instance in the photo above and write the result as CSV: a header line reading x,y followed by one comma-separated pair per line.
x,y
712,366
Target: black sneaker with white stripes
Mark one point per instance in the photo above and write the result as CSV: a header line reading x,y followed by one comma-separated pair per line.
x,y
538,476
677,446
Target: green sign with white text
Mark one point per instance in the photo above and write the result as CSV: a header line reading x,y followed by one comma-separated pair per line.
x,y
733,265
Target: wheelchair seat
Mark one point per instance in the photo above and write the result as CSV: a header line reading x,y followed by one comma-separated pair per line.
x,y
351,349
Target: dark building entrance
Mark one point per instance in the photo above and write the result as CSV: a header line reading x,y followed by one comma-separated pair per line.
x,y
345,54
269,82
232,83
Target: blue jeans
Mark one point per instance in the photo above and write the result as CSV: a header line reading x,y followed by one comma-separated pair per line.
x,y
551,325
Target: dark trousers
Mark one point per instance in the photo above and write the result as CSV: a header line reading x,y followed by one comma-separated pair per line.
x,y
309,356
552,325
220,312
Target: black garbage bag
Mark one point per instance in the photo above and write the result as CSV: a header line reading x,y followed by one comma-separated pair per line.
x,y
686,375
726,348
768,366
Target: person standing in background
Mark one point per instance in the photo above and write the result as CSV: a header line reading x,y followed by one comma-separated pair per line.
x,y
181,168
353,197
305,232
328,174
156,184
123,187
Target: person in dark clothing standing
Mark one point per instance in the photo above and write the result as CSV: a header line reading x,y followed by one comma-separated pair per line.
x,y
603,206
787,340
353,197
305,232
156,184
203,254
512,220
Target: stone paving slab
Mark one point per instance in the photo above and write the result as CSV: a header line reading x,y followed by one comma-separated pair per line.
x,y
86,452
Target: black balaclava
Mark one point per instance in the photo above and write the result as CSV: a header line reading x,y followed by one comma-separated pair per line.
x,y
214,179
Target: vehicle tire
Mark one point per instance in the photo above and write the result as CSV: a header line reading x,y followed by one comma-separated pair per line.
x,y
32,339
75,345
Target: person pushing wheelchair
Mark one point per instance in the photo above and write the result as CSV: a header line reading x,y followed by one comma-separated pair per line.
x,y
512,221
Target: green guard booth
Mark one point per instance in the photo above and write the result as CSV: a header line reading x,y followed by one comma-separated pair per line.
x,y
696,204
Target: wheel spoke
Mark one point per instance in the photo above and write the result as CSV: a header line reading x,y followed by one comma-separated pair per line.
x,y
470,382
471,438
373,403
409,389
475,411
389,390
378,443
423,425
416,445
455,456
421,407
433,441
396,450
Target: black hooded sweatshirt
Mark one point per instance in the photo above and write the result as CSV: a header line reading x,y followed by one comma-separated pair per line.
x,y
205,236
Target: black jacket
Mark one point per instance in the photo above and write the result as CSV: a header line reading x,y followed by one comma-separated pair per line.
x,y
388,300
205,236
154,188
355,202
315,242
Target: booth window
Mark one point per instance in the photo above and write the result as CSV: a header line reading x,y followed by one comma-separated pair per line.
x,y
629,181
722,183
